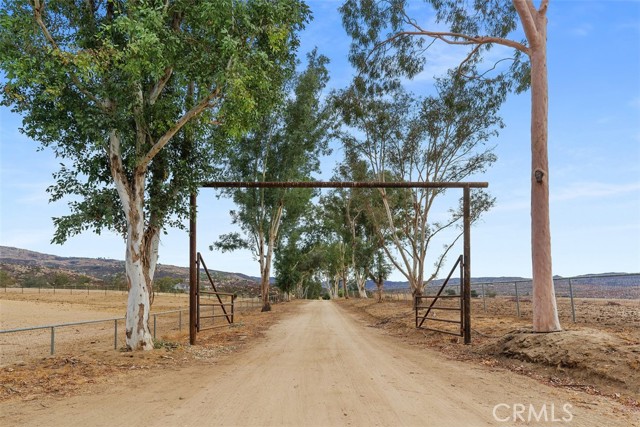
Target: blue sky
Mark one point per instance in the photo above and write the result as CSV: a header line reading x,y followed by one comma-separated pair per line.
x,y
594,149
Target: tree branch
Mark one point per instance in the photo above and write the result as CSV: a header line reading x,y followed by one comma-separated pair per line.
x,y
156,90
449,38
118,174
526,11
38,8
164,139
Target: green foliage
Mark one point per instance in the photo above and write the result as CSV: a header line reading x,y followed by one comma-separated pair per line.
x,y
6,280
34,281
285,147
385,47
59,280
165,284
474,293
401,137
450,292
164,77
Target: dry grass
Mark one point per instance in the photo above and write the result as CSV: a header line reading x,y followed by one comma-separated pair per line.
x,y
71,373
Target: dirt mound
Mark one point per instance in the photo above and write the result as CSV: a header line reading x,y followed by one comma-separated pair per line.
x,y
591,355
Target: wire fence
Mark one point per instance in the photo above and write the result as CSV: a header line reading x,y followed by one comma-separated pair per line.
x,y
22,344
575,296
78,289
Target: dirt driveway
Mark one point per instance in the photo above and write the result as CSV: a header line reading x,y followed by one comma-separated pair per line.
x,y
321,366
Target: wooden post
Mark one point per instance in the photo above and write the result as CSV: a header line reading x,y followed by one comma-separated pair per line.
x,y
466,294
192,269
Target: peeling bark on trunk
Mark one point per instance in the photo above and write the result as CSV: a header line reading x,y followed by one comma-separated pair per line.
x,y
362,292
141,253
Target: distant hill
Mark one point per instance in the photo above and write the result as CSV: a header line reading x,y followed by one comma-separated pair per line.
x,y
20,263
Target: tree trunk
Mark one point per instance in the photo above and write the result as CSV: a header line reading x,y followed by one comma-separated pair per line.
x,y
545,312
264,290
344,284
362,292
361,283
416,291
142,250
139,278
379,285
334,287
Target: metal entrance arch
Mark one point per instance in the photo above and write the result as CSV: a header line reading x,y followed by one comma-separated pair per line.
x,y
466,257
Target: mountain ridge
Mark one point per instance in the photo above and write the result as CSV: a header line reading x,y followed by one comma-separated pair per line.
x,y
100,268
106,269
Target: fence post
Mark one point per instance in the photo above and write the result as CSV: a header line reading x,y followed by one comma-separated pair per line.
x,y
517,299
484,301
53,340
115,334
573,307
180,320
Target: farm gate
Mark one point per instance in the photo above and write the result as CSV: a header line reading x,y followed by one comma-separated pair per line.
x,y
465,260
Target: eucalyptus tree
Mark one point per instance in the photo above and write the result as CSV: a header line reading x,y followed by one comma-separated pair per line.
x,y
286,146
389,43
438,138
380,270
298,260
335,241
352,211
127,95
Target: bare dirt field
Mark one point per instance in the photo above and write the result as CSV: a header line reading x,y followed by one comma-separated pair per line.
x,y
323,363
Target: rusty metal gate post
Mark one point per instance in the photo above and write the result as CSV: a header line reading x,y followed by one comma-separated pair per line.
x,y
192,269
466,293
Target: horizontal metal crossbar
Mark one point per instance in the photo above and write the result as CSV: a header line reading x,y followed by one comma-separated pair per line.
x,y
443,320
211,327
224,294
86,322
438,296
213,316
337,184
441,308
213,304
459,334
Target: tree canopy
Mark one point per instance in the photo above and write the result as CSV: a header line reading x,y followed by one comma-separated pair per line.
x,y
129,96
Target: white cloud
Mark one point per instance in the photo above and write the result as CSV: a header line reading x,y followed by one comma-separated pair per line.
x,y
582,30
590,190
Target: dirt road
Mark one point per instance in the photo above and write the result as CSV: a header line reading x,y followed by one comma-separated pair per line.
x,y
322,367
